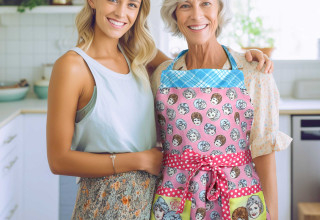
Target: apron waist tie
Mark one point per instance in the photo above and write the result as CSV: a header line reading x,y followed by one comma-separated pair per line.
x,y
193,162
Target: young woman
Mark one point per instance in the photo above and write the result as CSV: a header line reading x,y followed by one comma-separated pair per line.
x,y
100,124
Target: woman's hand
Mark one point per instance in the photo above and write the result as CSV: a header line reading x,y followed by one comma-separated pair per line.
x,y
263,59
151,161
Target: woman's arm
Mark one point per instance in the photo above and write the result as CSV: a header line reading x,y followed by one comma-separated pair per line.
x,y
265,137
251,55
159,58
66,87
266,168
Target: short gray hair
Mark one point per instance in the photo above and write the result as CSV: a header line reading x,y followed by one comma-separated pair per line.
x,y
169,17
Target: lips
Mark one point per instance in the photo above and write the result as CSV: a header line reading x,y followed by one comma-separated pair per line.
x,y
117,24
197,27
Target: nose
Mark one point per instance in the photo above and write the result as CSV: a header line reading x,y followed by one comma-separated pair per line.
x,y
197,12
120,10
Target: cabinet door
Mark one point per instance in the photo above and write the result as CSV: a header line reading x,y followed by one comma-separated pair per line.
x,y
11,169
68,194
40,186
283,160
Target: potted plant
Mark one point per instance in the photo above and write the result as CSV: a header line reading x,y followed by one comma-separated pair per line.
x,y
24,4
250,32
30,4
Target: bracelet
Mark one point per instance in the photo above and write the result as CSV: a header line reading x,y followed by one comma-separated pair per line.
x,y
113,157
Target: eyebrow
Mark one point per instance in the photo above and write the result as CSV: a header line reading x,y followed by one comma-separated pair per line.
x,y
137,1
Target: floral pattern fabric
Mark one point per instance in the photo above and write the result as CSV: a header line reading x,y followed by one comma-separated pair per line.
x,y
122,196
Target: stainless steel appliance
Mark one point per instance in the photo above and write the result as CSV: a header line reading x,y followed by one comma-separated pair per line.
x,y
305,161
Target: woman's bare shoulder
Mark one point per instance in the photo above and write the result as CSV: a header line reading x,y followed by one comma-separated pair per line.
x,y
71,62
70,73
71,66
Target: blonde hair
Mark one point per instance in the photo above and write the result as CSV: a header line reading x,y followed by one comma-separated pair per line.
x,y
168,14
137,43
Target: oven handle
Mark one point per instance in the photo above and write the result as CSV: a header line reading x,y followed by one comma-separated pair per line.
x,y
310,134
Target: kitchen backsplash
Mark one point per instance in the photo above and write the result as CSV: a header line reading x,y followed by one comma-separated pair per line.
x,y
28,41
287,72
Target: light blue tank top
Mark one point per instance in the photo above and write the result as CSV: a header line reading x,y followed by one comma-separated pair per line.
x,y
121,117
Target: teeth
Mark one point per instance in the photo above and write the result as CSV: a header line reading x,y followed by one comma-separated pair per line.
x,y
198,27
116,22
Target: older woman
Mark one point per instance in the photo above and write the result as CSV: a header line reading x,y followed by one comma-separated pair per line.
x,y
203,159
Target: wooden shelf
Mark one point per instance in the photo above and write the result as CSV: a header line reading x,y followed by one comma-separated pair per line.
x,y
50,9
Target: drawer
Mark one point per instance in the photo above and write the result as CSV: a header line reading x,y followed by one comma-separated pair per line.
x,y
10,136
10,177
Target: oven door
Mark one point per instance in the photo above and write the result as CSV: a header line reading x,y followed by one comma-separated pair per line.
x,y
305,161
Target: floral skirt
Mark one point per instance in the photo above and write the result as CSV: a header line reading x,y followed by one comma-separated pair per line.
x,y
121,196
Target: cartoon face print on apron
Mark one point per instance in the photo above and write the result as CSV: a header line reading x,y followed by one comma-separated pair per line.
x,y
204,118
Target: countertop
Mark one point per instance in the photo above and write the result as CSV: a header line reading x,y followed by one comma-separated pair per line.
x,y
290,106
9,110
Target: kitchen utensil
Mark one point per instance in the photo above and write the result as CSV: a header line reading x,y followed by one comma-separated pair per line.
x,y
11,91
41,88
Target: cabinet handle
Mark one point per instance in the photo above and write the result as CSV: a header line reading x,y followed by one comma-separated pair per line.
x,y
10,165
10,138
12,211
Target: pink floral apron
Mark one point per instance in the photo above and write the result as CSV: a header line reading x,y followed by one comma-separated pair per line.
x,y
204,118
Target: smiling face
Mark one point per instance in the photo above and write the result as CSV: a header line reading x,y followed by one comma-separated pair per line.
x,y
188,95
158,213
232,95
211,114
197,121
171,171
175,142
198,20
254,211
214,101
233,174
227,111
234,135
199,216
218,143
193,137
211,131
248,114
182,111
113,17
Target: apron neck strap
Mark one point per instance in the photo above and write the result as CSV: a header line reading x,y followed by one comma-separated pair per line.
x,y
170,67
230,57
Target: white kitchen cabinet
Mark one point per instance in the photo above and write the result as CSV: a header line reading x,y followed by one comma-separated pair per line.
x,y
28,189
283,160
40,186
10,170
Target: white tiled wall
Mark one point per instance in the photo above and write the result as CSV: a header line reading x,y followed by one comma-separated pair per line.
x,y
28,41
287,72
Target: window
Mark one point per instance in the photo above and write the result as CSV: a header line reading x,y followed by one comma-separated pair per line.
x,y
295,26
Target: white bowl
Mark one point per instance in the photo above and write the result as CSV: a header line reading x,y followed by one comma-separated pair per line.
x,y
12,94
